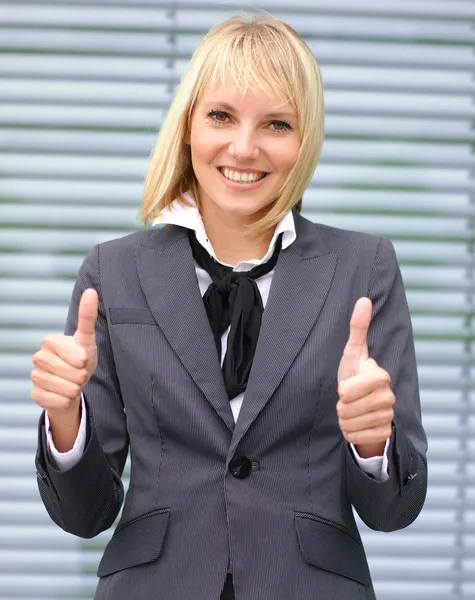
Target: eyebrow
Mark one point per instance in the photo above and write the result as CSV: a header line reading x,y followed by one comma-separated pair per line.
x,y
274,114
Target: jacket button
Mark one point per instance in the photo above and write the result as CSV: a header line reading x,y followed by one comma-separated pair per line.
x,y
240,466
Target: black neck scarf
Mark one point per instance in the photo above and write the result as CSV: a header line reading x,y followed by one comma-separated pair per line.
x,y
233,298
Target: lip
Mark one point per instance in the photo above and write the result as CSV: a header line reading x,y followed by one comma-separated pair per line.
x,y
240,170
243,187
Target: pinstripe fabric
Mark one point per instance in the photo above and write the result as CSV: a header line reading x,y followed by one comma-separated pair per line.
x,y
287,530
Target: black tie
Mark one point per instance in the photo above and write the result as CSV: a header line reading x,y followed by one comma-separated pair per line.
x,y
233,298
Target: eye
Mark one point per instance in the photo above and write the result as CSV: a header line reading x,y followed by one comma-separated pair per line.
x,y
218,115
281,126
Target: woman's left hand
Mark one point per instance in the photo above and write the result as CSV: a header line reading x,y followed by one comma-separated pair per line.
x,y
365,406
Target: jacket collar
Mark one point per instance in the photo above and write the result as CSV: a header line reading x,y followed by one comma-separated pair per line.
x,y
188,216
300,285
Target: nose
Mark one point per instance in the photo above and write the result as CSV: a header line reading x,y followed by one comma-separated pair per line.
x,y
243,146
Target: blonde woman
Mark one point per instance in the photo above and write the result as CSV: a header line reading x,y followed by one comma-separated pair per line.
x,y
258,367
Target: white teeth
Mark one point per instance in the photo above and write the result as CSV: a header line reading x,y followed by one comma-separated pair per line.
x,y
241,177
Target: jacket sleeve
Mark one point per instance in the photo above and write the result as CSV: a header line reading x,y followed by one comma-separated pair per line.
x,y
395,503
86,499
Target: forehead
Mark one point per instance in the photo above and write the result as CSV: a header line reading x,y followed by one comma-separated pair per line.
x,y
261,94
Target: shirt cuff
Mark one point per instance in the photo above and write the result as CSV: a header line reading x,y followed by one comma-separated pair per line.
x,y
377,466
66,460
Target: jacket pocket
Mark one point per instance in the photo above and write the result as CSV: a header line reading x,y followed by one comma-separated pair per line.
x,y
329,546
136,542
130,314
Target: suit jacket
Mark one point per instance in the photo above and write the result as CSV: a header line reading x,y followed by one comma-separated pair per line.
x,y
269,498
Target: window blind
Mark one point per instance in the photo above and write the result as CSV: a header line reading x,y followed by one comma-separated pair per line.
x,y
83,88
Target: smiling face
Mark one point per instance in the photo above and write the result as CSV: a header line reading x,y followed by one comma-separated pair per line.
x,y
242,149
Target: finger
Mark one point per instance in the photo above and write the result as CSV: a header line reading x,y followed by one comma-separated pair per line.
x,y
357,344
361,385
57,385
48,361
87,317
371,420
377,400
50,400
355,352
369,436
66,348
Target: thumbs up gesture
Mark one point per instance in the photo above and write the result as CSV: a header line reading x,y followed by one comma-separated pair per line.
x,y
365,405
64,364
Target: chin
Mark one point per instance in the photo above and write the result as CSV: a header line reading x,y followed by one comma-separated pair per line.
x,y
242,208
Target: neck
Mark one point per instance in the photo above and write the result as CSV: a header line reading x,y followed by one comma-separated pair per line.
x,y
230,240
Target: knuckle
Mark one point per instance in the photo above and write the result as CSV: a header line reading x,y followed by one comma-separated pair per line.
x,y
48,340
74,391
74,376
61,402
39,359
365,405
37,376
37,394
67,403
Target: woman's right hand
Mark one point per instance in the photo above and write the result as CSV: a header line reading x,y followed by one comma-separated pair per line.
x,y
63,366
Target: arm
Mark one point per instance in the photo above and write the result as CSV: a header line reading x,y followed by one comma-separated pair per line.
x,y
394,503
376,466
86,498
65,460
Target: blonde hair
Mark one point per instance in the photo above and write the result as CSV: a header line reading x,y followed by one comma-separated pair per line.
x,y
245,46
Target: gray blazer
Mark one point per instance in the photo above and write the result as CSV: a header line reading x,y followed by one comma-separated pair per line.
x,y
269,498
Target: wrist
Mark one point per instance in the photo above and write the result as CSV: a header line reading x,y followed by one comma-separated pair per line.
x,y
64,427
370,450
64,416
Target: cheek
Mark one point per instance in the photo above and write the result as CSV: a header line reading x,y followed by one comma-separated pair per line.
x,y
285,154
204,145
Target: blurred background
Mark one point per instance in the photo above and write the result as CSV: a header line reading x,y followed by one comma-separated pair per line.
x,y
83,89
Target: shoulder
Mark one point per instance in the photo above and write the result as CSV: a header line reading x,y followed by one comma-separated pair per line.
x,y
345,243
117,252
127,242
118,248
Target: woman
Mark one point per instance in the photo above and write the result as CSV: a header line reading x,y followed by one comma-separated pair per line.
x,y
251,432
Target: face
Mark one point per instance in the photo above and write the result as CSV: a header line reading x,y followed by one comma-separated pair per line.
x,y
242,148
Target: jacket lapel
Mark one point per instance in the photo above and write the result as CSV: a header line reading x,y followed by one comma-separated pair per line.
x,y
300,286
167,275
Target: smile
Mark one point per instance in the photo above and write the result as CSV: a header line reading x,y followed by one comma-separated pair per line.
x,y
240,176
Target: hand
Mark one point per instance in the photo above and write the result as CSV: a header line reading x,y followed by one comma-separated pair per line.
x,y
64,364
365,405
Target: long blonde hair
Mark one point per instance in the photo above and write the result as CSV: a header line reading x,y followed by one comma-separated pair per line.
x,y
245,47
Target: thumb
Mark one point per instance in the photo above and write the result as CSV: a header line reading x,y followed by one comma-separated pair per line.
x,y
85,334
356,349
